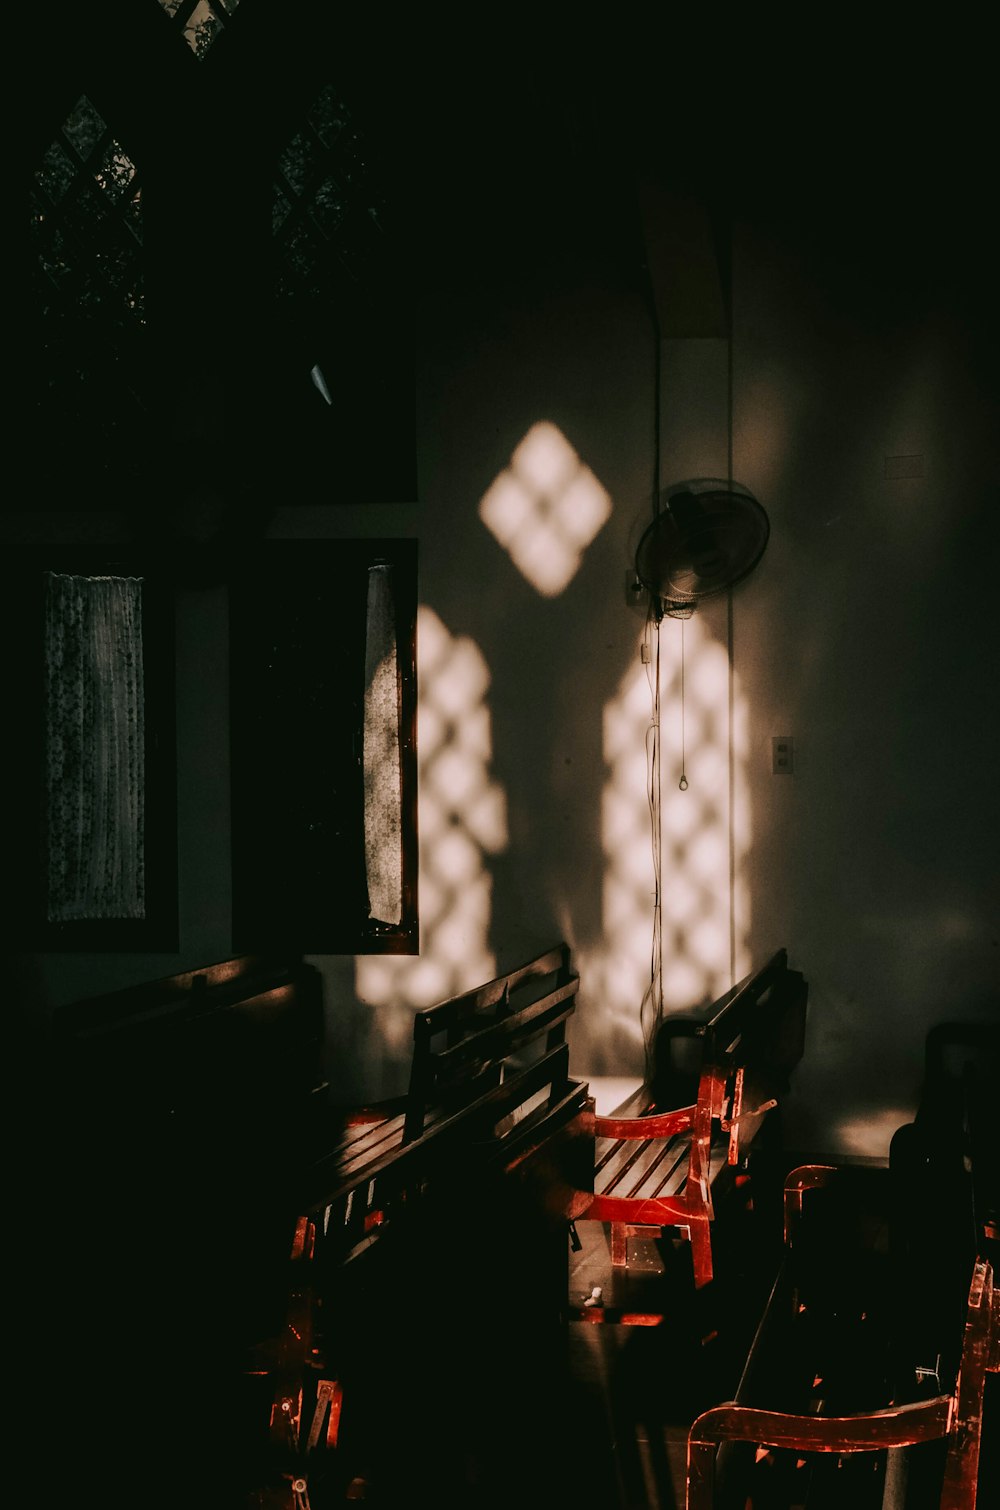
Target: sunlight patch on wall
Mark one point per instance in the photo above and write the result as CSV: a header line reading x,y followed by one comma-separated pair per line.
x,y
868,1137
695,823
461,816
545,508
695,837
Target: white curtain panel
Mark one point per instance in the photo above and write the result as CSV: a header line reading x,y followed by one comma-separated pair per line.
x,y
383,792
94,748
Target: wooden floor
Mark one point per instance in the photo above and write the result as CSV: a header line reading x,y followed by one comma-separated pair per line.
x,y
487,1405
641,1380
501,1411
638,1384
649,1352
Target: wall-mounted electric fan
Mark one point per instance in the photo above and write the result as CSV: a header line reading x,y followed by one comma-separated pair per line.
x,y
707,535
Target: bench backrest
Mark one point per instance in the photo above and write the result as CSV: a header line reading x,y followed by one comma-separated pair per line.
x,y
503,1043
746,1045
245,1031
489,1082
179,1108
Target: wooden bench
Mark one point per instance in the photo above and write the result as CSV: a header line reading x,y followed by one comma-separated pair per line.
x,y
491,1148
866,1378
174,1110
661,1167
169,1092
489,1068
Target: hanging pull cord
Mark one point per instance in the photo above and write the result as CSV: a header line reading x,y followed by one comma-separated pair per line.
x,y
652,1001
683,783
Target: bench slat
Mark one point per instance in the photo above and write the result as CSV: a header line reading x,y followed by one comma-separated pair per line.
x,y
641,1168
667,1174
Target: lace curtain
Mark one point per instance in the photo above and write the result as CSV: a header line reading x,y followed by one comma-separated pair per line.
x,y
383,790
94,748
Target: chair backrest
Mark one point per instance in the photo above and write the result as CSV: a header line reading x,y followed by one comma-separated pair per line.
x,y
955,1118
943,1168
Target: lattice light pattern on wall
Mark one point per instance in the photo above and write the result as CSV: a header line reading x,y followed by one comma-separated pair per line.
x,y
462,819
545,508
694,841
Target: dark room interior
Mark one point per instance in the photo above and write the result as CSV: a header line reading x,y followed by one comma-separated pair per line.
x,y
363,364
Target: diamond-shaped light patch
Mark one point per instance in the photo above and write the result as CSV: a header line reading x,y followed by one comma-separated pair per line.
x,y
545,508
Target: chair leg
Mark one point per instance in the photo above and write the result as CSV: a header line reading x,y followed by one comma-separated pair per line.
x,y
701,1251
619,1244
700,1475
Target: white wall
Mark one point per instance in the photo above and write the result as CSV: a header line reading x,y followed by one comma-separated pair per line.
x,y
867,633
870,637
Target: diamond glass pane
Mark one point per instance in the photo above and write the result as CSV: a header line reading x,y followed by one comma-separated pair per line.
x,y
350,156
329,208
56,172
114,261
328,117
84,213
132,216
202,29
279,211
83,128
116,172
326,189
297,161
50,244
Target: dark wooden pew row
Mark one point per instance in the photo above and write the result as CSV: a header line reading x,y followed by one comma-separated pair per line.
x,y
177,1110
221,1219
663,1166
470,1179
866,1379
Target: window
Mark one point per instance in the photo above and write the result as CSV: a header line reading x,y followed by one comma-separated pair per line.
x,y
219,322
323,756
91,824
218,270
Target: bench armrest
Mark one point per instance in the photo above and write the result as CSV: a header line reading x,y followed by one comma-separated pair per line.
x,y
658,1125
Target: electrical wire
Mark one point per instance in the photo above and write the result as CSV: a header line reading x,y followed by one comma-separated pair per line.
x,y
651,1007
682,785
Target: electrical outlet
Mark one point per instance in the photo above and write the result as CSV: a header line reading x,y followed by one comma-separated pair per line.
x,y
782,755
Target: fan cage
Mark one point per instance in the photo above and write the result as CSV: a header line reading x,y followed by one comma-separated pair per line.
x,y
706,537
